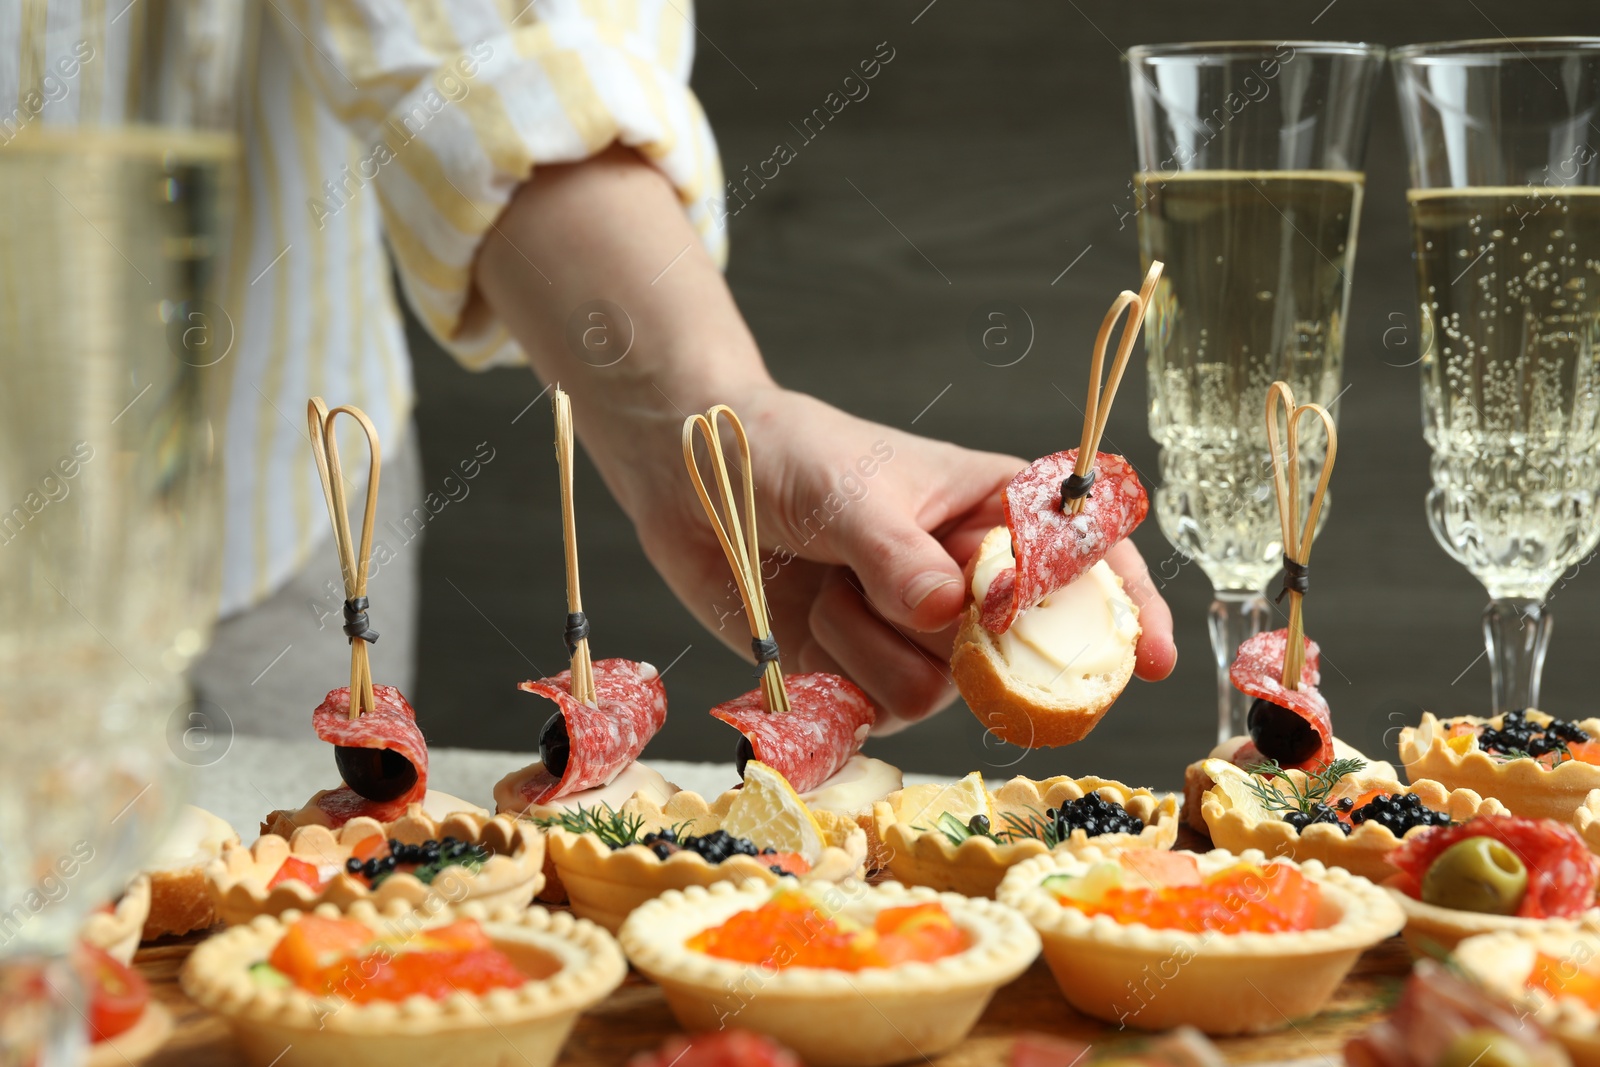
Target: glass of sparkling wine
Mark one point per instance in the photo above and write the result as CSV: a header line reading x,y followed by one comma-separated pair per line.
x,y
1248,187
112,227
1505,214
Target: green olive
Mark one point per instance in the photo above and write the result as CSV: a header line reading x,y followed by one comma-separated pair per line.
x,y
1484,1048
1476,874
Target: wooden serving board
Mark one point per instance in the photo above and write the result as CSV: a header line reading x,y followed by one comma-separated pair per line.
x,y
636,1018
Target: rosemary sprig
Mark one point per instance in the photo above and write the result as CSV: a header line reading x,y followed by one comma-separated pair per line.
x,y
1313,789
1032,826
614,828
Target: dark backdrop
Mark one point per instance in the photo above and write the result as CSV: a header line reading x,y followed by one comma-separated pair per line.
x,y
996,140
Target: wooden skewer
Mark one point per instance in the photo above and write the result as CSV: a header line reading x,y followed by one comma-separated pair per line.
x,y
582,665
1097,408
1297,537
353,564
739,541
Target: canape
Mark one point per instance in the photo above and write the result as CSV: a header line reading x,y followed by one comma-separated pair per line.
x,y
611,862
1490,874
1538,766
1343,816
1226,943
179,901
115,927
847,976
366,988
1549,975
963,839
411,861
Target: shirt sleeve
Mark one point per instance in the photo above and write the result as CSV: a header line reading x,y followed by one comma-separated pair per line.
x,y
455,105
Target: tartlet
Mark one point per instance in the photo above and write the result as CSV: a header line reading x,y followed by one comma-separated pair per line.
x,y
435,805
1431,930
512,874
917,853
116,932
571,963
1364,851
1503,962
137,1043
1525,786
1196,781
605,884
1217,982
832,1018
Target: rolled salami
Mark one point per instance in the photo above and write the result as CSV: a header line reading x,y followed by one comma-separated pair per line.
x,y
827,722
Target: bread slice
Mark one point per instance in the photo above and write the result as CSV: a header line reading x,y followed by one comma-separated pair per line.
x,y
1020,711
180,903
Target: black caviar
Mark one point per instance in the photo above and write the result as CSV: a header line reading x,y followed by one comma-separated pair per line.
x,y
714,847
1399,812
1319,813
426,859
1517,736
1094,815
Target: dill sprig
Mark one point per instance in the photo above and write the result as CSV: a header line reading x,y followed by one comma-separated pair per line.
x,y
1313,789
614,828
1018,827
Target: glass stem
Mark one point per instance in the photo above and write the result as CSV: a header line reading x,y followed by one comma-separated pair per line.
x,y
1517,632
1235,617
41,1013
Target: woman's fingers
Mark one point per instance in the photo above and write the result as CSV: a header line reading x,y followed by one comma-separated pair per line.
x,y
1157,654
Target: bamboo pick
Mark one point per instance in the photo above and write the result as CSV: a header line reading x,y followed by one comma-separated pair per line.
x,y
741,546
582,665
1097,408
1297,537
353,565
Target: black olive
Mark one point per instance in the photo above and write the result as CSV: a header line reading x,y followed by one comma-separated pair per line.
x,y
743,754
376,773
1280,734
978,824
554,745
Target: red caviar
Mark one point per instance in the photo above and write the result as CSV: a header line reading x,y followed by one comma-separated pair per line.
x,y
1564,978
1244,898
345,958
791,931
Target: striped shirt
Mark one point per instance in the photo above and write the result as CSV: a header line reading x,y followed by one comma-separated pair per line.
x,y
411,120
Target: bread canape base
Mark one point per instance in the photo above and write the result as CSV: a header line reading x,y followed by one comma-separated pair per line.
x,y
436,805
1502,963
1364,851
1026,712
1219,983
605,884
1432,930
116,932
1525,786
135,1044
919,854
865,1018
1196,781
512,874
572,964
179,900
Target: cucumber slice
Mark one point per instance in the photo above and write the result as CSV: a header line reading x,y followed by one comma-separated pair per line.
x,y
267,976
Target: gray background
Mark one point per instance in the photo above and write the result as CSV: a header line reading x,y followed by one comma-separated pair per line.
x,y
997,141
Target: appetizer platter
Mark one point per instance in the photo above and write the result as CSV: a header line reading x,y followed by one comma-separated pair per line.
x,y
1291,900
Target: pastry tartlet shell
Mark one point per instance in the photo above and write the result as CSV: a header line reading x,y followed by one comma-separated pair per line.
x,y
1502,962
117,932
864,1018
511,875
975,867
1431,929
526,1025
1157,979
1522,785
605,885
1364,851
137,1043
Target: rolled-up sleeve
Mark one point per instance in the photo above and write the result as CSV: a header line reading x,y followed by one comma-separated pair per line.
x,y
455,105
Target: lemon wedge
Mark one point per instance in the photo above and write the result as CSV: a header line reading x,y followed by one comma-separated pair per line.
x,y
769,812
1236,785
922,805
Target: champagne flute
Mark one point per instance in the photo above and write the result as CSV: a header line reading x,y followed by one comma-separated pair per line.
x,y
109,523
1249,188
1505,214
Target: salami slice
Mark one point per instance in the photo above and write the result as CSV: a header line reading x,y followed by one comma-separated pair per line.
x,y
1257,671
391,724
602,741
1053,548
828,721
